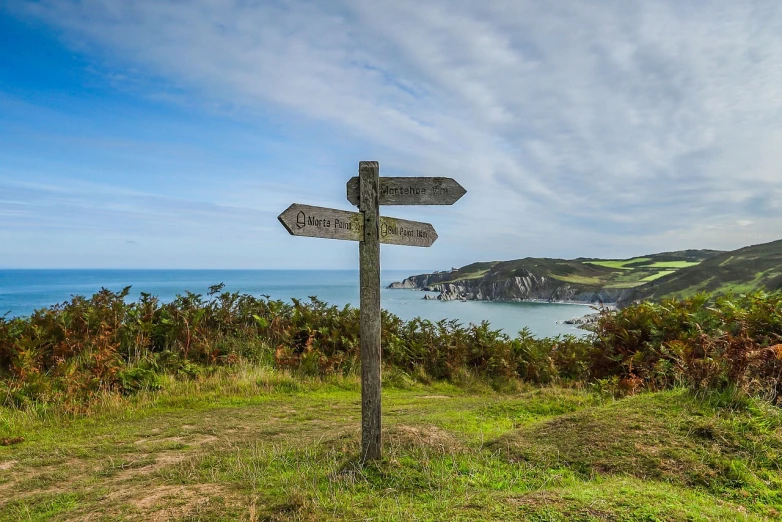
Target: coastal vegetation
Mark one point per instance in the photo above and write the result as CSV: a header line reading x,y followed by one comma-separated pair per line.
x,y
71,352
230,406
654,277
578,280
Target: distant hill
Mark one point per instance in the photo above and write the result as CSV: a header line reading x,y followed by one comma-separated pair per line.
x,y
577,280
654,276
743,270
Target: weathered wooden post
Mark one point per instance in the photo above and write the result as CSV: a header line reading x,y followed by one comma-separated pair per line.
x,y
369,275
368,191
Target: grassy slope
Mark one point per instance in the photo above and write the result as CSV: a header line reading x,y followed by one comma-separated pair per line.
x,y
588,274
743,270
669,274
259,445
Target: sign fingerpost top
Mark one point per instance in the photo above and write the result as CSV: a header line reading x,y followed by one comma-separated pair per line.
x,y
411,191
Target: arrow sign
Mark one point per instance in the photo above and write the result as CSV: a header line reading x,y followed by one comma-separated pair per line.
x,y
306,220
412,191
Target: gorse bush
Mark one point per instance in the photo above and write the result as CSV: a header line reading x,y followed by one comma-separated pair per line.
x,y
70,352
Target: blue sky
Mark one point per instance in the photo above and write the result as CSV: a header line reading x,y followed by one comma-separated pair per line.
x,y
160,134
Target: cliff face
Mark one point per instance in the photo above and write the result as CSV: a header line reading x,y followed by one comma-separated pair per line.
x,y
590,280
420,282
522,287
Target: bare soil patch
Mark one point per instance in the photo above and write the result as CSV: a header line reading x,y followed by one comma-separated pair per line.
x,y
155,502
162,460
29,481
191,440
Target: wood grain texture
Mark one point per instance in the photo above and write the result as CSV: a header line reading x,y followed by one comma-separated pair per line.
x,y
309,221
369,266
411,191
330,223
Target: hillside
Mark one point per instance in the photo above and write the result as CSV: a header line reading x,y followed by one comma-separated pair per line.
x,y
580,280
742,270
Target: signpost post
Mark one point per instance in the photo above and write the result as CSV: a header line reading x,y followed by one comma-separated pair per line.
x,y
369,275
368,191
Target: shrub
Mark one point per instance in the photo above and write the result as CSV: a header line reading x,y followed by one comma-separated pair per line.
x,y
72,351
701,342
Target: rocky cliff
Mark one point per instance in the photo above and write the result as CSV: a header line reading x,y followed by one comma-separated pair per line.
x,y
422,281
583,280
540,279
522,287
528,288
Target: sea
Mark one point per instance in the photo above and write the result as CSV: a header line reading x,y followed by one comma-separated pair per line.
x,y
24,291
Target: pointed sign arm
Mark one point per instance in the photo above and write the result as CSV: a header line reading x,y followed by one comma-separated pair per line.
x,y
411,191
309,221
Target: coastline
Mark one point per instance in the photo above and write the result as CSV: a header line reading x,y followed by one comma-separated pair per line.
x,y
510,287
24,291
429,293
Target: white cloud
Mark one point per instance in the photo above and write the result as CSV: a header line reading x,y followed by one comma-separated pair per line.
x,y
619,126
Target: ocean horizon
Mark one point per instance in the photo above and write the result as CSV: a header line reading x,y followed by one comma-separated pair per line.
x,y
22,291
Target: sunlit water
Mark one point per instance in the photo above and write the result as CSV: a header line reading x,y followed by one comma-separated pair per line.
x,y
23,291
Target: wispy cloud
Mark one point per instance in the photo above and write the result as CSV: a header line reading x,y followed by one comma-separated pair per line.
x,y
581,128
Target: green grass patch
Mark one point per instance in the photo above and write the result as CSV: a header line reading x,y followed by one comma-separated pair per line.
x,y
618,263
727,261
466,277
658,275
673,264
247,446
578,279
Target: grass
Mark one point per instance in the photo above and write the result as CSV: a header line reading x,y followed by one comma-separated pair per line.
x,y
251,443
545,277
673,264
465,277
658,275
578,279
713,285
743,287
619,263
744,270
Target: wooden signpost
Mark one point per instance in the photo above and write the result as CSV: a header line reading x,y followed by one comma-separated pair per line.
x,y
368,191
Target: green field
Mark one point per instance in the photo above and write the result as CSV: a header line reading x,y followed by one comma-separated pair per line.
x,y
624,273
619,263
583,274
579,279
673,264
254,444
466,276
739,271
658,275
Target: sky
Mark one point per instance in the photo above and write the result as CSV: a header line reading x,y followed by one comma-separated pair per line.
x,y
168,134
